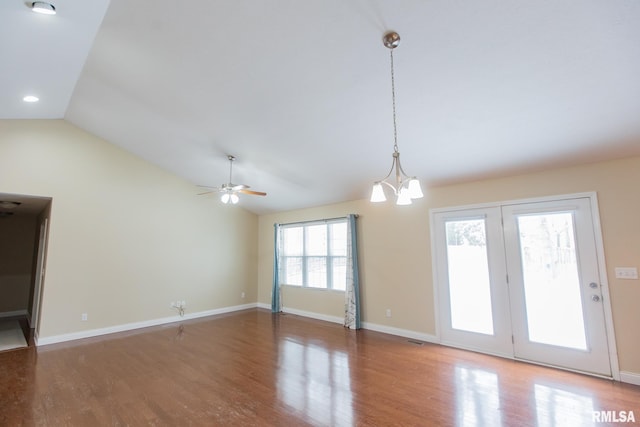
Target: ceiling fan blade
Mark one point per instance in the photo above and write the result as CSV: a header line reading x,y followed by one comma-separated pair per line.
x,y
238,187
253,193
209,189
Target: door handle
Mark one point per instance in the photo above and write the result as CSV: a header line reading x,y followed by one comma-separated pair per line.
x,y
595,298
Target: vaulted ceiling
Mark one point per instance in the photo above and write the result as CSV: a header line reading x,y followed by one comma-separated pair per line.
x,y
299,91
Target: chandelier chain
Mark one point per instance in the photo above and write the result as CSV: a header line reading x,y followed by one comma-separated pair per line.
x,y
393,101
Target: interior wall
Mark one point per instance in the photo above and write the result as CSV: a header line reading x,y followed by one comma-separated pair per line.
x,y
126,237
16,256
395,246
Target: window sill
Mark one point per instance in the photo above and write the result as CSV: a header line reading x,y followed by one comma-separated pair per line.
x,y
312,289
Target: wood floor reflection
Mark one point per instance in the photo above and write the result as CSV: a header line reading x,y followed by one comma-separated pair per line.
x,y
255,368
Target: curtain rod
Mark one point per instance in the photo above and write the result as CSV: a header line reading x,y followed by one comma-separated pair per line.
x,y
317,220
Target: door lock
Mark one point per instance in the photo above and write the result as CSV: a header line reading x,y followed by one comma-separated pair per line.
x,y
595,298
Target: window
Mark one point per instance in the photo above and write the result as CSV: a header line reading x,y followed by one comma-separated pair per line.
x,y
314,255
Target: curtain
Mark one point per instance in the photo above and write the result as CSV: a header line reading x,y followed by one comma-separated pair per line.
x,y
276,303
352,294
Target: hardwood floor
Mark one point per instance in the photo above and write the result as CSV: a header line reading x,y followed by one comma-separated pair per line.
x,y
255,368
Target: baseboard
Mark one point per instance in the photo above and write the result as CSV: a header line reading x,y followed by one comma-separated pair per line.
x,y
14,313
365,325
401,332
313,315
136,325
626,377
630,377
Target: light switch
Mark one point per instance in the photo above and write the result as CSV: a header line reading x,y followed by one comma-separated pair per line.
x,y
630,273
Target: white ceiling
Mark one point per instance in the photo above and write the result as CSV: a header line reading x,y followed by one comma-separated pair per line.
x,y
299,91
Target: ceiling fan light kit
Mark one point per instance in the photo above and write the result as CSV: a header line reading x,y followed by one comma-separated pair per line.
x,y
229,197
404,187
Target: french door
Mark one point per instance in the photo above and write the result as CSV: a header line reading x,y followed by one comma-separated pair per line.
x,y
521,280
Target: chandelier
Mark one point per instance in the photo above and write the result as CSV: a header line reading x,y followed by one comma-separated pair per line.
x,y
404,187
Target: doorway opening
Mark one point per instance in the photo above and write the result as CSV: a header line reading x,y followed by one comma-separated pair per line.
x,y
24,221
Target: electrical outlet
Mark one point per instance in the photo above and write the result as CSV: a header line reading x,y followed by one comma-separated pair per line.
x,y
388,312
173,304
628,273
84,317
242,295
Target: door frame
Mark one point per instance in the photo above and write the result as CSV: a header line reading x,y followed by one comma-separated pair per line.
x,y
602,269
43,232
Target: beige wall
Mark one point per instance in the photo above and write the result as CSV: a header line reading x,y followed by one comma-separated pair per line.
x,y
16,256
395,246
126,238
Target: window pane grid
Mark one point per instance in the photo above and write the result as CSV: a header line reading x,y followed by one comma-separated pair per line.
x,y
314,255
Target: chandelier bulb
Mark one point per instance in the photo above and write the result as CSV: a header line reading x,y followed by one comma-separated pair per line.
x,y
415,191
377,194
403,197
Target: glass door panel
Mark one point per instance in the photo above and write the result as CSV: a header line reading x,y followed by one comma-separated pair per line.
x,y
551,281
469,281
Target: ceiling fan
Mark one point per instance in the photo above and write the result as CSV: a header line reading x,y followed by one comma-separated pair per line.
x,y
229,190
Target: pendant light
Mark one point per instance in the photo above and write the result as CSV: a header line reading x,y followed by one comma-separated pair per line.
x,y
404,187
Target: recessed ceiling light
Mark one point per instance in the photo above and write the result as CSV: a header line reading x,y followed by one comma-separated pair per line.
x,y
44,8
31,98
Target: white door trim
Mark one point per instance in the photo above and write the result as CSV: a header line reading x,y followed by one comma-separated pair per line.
x,y
604,285
40,274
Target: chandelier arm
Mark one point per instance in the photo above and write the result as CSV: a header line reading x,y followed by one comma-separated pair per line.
x,y
393,164
395,190
396,161
404,174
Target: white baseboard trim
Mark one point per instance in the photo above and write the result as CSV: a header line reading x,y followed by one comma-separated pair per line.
x,y
136,325
630,377
420,336
14,313
313,315
626,377
365,325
